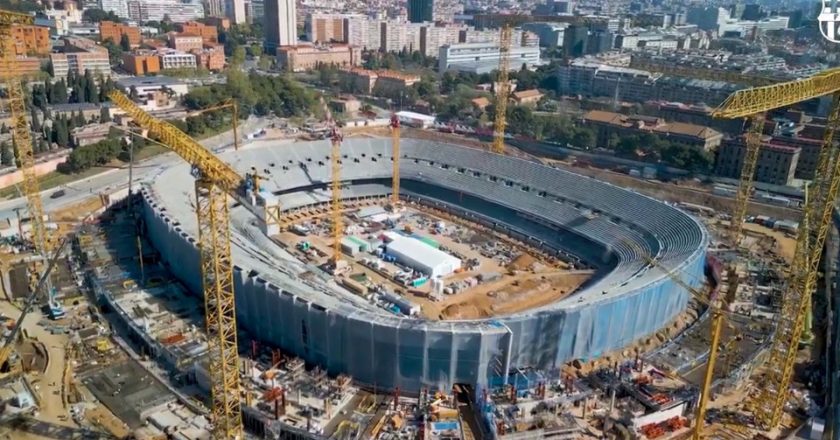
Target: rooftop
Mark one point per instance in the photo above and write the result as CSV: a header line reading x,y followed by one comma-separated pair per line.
x,y
650,123
146,81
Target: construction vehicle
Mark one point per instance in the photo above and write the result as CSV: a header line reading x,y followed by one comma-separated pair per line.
x,y
215,181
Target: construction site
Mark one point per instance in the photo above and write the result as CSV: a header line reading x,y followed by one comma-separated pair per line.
x,y
422,263
403,288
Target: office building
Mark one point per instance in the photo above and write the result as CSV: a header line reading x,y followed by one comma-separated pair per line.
x,y
256,9
118,7
707,18
208,34
553,7
421,10
776,163
236,11
752,12
484,57
280,24
747,28
31,40
550,34
306,57
114,31
326,28
156,10
575,40
141,62
214,8
80,55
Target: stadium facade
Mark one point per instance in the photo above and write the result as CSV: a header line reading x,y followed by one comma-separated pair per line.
x,y
602,225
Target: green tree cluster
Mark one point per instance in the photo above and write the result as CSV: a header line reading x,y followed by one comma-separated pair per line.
x,y
88,156
650,148
96,15
256,94
115,52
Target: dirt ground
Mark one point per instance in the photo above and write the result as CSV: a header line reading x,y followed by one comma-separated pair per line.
x,y
535,284
785,244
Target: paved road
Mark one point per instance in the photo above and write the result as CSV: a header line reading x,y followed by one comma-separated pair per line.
x,y
118,178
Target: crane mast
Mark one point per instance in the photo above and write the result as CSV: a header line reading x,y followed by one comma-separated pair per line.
x,y
769,404
502,89
21,134
215,181
395,155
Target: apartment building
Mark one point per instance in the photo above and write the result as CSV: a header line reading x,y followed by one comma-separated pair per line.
x,y
302,58
326,28
156,10
776,163
80,54
109,30
31,40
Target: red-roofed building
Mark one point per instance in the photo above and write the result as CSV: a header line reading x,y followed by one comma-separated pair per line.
x,y
209,34
608,123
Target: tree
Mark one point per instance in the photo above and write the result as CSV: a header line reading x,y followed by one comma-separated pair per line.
x,y
16,153
79,119
125,44
115,52
91,92
583,138
104,114
97,15
133,94
7,157
238,56
45,146
265,62
59,92
256,50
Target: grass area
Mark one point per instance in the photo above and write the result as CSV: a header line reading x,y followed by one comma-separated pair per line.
x,y
51,180
149,151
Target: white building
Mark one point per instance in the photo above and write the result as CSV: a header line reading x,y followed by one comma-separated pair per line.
x,y
745,28
148,84
172,59
280,24
484,57
422,257
235,10
118,7
156,10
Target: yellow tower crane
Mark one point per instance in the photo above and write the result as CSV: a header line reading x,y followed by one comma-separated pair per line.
x,y
745,186
506,23
335,185
502,89
770,402
395,155
20,131
215,180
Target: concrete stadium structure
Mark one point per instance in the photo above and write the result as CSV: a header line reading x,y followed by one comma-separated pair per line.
x,y
312,317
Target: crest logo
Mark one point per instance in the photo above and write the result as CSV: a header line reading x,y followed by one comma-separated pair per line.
x,y
829,19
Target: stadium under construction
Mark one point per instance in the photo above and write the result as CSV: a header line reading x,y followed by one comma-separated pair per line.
x,y
286,300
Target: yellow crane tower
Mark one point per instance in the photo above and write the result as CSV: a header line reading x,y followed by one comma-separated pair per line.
x,y
506,23
769,404
395,154
20,131
745,186
215,180
335,185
